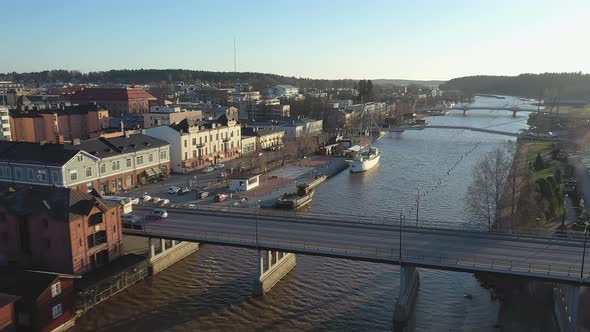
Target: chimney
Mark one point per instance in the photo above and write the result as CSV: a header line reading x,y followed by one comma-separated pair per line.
x,y
76,141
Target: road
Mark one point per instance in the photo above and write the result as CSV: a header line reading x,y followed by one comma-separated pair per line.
x,y
524,255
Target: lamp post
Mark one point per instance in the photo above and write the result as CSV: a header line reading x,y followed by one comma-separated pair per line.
x,y
257,205
565,200
417,205
401,221
584,252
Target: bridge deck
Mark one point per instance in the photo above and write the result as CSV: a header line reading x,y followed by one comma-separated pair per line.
x,y
557,259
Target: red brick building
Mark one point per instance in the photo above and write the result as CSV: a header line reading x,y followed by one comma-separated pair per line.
x,y
44,301
119,101
7,316
59,229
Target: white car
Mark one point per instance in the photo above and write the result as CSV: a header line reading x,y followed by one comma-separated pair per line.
x,y
208,169
173,190
218,166
165,201
146,198
158,214
156,199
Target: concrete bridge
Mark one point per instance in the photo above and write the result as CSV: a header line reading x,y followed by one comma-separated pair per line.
x,y
278,236
465,108
483,130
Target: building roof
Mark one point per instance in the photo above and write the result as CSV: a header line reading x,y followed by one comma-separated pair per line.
x,y
111,94
26,284
36,153
7,299
64,110
262,131
62,203
103,147
185,124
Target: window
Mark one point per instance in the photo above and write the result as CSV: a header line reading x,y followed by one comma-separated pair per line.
x,y
80,158
201,140
140,160
54,177
18,173
80,240
73,175
194,141
88,171
232,145
114,228
217,137
7,171
56,311
214,148
97,238
185,143
194,153
151,157
2,171
95,219
128,162
103,168
30,174
163,155
42,175
115,165
56,289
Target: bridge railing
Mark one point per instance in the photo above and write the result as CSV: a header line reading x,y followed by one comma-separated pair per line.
x,y
392,254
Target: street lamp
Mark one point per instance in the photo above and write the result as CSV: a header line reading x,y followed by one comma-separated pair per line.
x,y
401,220
257,206
584,252
417,205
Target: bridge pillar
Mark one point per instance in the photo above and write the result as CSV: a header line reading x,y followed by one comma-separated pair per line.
x,y
566,299
272,267
409,282
513,114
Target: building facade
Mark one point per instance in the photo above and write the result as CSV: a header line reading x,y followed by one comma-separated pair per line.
x,y
5,131
248,144
108,165
59,230
119,101
59,124
198,144
165,115
284,91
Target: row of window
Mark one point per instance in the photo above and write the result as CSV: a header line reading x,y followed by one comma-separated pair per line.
x,y
29,174
223,136
115,165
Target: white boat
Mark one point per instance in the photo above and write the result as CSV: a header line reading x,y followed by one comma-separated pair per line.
x,y
365,160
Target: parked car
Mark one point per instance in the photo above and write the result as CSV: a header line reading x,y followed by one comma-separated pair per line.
x,y
202,195
208,169
173,190
156,199
221,175
221,197
218,166
165,201
158,214
146,198
184,190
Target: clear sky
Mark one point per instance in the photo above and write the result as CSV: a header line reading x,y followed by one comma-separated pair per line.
x,y
412,39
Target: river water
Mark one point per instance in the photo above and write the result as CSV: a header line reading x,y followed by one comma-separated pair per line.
x,y
211,289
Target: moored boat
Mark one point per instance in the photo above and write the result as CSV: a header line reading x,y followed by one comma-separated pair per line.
x,y
295,200
365,160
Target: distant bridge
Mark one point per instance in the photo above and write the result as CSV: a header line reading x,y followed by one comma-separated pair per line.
x,y
465,108
483,130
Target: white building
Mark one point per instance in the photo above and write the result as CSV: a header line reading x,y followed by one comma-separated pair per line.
x,y
284,91
247,102
244,182
197,144
5,134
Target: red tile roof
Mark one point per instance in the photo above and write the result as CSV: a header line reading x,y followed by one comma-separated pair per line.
x,y
114,94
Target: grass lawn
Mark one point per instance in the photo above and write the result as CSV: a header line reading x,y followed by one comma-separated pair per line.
x,y
544,148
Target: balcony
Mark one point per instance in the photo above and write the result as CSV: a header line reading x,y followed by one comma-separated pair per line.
x,y
95,219
97,239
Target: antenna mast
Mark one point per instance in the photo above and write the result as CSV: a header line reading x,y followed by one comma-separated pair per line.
x,y
235,71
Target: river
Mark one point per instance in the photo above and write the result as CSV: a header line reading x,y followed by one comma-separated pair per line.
x,y
211,289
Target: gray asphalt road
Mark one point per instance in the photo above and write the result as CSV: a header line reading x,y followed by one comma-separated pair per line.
x,y
468,251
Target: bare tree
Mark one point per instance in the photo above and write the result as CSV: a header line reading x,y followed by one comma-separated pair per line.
x,y
490,178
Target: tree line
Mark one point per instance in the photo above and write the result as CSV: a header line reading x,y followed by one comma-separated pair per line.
x,y
167,76
554,85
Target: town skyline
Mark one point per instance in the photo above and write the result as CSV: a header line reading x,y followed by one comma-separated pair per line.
x,y
388,40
